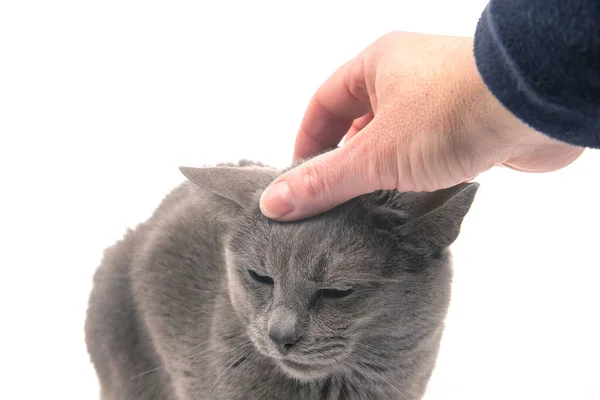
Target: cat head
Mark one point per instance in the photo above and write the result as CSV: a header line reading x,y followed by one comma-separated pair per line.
x,y
363,286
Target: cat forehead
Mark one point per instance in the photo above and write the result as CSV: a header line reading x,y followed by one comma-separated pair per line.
x,y
319,250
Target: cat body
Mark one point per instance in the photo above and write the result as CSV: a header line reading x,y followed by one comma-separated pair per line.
x,y
209,299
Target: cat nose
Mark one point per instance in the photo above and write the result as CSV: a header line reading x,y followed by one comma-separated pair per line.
x,y
283,329
284,342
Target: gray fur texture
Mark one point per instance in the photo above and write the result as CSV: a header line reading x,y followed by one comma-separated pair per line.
x,y
209,299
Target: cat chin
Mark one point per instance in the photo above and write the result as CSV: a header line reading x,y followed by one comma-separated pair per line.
x,y
299,371
302,372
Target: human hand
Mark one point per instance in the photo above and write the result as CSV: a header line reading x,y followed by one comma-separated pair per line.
x,y
415,116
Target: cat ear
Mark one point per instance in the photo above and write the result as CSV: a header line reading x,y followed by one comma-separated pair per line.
x,y
238,185
435,218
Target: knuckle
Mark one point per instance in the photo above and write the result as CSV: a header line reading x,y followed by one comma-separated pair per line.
x,y
311,181
355,81
380,166
387,168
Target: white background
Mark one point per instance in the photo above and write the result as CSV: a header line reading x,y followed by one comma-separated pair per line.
x,y
101,101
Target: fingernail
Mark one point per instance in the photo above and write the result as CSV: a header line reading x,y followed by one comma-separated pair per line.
x,y
276,201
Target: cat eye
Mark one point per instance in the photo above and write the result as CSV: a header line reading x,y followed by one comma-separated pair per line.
x,y
337,293
259,277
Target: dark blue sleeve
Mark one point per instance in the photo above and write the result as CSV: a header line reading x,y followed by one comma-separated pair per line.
x,y
541,59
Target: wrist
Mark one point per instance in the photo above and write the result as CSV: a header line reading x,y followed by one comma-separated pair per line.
x,y
517,145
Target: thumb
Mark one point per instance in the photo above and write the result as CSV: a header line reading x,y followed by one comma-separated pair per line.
x,y
331,179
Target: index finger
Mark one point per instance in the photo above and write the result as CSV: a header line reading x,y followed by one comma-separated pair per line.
x,y
330,113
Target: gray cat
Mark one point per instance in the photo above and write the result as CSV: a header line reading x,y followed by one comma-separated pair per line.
x,y
209,299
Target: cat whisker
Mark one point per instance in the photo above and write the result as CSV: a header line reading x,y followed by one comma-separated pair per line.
x,y
244,345
248,357
146,372
392,386
430,381
372,383
351,381
336,362
340,384
233,349
193,356
380,376
366,347
229,364
349,375
207,341
379,352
